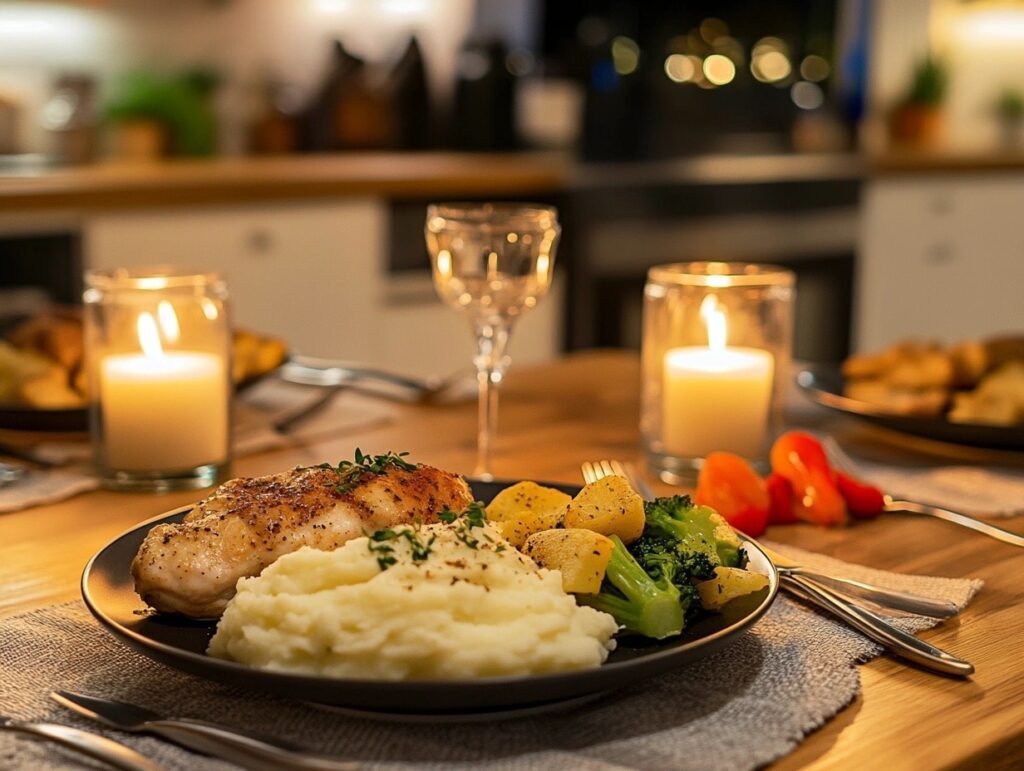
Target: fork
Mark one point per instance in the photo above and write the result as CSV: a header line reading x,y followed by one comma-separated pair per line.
x,y
863,620
93,745
840,460
363,379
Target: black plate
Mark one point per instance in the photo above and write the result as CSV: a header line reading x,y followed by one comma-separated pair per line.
x,y
824,385
34,419
178,642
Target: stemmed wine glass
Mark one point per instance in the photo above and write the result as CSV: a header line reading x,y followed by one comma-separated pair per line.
x,y
493,262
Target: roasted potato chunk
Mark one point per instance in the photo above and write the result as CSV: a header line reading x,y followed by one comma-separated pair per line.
x,y
526,508
727,585
580,555
608,506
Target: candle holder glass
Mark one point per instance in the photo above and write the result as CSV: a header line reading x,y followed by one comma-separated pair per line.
x,y
717,343
158,355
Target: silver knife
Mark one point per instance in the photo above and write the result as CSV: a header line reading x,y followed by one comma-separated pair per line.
x,y
93,745
892,638
261,753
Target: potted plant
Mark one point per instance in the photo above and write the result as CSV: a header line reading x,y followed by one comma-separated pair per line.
x,y
917,119
154,115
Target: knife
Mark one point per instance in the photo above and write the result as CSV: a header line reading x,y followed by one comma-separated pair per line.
x,y
93,745
260,753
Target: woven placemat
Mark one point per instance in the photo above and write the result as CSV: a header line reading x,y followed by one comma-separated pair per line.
x,y
741,707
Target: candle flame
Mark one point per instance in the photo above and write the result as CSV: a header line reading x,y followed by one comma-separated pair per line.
x,y
168,321
714,319
149,336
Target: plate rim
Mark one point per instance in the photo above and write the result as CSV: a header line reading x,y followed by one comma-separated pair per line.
x,y
173,652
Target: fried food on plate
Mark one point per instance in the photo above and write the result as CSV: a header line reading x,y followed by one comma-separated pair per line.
x,y
998,400
976,381
899,401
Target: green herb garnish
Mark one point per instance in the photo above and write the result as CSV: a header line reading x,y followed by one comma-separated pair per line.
x,y
379,545
351,473
464,522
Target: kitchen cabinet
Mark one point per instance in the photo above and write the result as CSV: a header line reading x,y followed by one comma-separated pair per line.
x,y
940,256
314,273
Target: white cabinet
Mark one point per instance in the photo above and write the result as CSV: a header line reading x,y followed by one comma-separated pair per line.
x,y
306,272
940,256
313,273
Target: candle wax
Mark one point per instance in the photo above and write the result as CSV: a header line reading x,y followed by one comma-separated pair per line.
x,y
716,400
164,413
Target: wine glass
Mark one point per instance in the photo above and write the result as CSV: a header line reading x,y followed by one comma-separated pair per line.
x,y
492,262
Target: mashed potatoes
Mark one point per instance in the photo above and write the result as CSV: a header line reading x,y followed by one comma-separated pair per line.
x,y
412,604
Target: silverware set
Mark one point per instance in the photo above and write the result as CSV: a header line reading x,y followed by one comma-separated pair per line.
x,y
834,594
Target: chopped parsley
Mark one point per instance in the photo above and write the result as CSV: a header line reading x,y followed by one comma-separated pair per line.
x,y
379,544
464,522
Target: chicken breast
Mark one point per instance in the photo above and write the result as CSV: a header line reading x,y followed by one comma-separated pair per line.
x,y
246,524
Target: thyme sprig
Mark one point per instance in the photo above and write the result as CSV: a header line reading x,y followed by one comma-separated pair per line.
x,y
351,473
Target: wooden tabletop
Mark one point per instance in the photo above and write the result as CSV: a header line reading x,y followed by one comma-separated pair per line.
x,y
585,407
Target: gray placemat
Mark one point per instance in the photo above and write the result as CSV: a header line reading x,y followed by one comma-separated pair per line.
x,y
741,707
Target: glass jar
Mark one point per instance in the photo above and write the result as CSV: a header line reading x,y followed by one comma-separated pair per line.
x,y
717,343
158,352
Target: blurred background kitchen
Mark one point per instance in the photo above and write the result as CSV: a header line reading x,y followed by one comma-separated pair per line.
x,y
876,147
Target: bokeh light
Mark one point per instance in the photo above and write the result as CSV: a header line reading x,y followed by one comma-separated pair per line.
x,y
625,55
719,69
814,68
770,65
681,68
711,29
806,95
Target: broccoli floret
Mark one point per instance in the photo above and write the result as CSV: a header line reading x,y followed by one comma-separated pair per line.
x,y
665,557
699,529
649,606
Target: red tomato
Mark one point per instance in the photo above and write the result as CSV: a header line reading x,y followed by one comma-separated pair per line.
x,y
780,491
863,500
801,459
729,485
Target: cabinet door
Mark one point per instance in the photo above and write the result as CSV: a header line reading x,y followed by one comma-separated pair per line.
x,y
940,257
307,272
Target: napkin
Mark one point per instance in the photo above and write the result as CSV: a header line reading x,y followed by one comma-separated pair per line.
x,y
739,708
253,432
974,488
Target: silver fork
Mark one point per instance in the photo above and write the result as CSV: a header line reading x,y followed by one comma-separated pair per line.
x,y
840,460
93,745
863,620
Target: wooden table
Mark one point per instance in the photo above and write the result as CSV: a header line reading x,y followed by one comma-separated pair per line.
x,y
584,407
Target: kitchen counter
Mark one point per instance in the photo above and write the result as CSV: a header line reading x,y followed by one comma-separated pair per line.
x,y
238,180
891,162
385,175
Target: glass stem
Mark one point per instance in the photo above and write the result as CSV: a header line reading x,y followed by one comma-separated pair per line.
x,y
491,360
